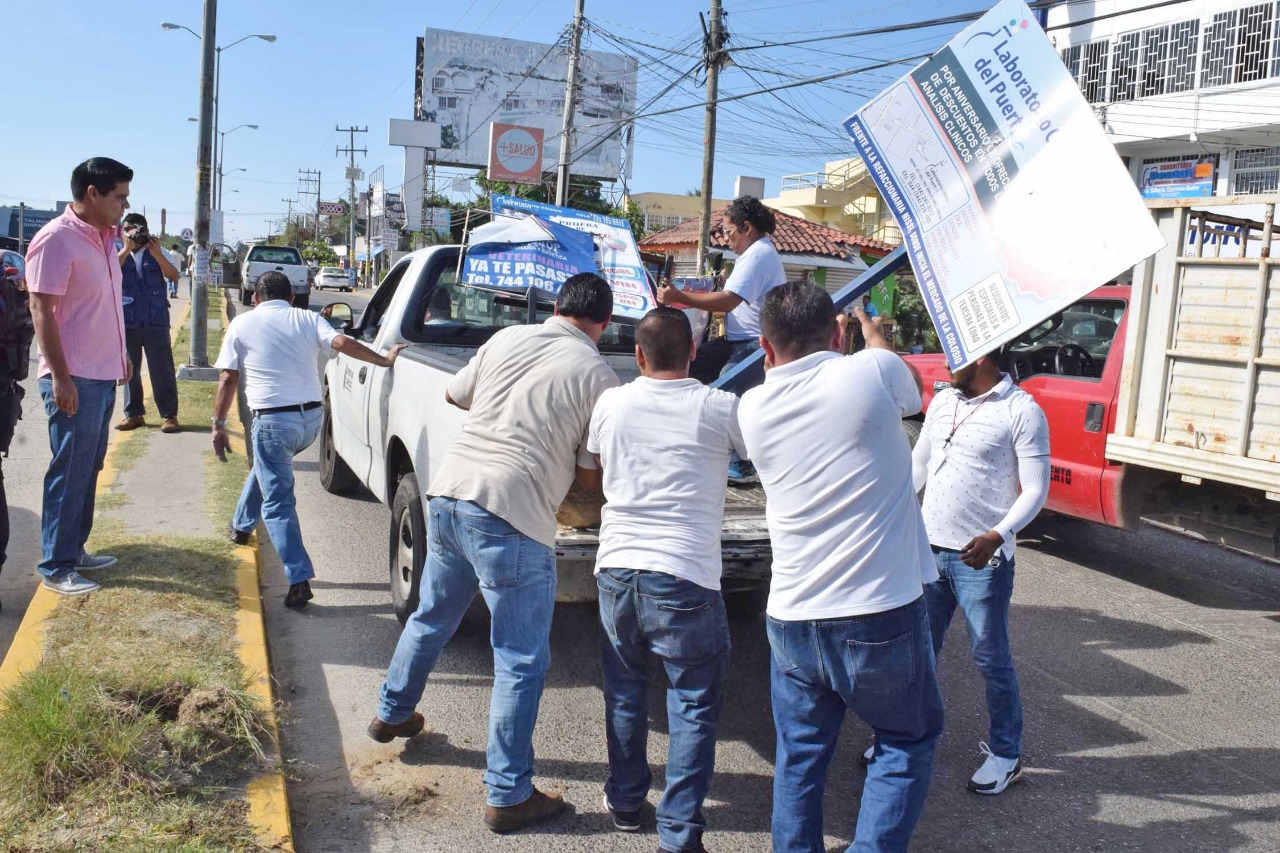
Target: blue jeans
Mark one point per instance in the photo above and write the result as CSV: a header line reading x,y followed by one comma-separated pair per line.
x,y
881,667
268,490
164,381
79,444
738,352
470,548
649,615
983,595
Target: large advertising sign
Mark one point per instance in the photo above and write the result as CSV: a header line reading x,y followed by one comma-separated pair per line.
x,y
467,81
1012,202
619,258
1189,178
515,154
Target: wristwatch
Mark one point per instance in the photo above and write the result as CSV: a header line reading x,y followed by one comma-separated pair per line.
x,y
217,424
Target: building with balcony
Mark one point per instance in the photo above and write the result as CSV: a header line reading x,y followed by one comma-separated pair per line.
x,y
1189,93
842,196
667,210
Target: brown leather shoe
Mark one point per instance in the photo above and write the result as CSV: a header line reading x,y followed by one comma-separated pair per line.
x,y
169,425
131,422
386,732
538,807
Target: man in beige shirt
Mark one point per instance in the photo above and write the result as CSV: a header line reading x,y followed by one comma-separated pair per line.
x,y
491,526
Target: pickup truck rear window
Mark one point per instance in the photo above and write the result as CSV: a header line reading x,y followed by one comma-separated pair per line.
x,y
283,255
453,312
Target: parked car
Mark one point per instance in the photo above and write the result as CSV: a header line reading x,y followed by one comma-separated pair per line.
x,y
286,259
334,277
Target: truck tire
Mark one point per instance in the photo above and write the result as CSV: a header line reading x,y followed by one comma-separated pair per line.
x,y
912,429
246,296
336,477
408,549
302,300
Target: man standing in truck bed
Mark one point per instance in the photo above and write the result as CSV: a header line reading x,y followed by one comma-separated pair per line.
x,y
491,526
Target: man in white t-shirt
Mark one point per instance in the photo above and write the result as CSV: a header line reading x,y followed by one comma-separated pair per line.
x,y
846,615
276,347
747,224
984,453
663,443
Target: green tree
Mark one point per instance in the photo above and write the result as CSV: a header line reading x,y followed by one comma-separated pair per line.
x,y
320,254
914,325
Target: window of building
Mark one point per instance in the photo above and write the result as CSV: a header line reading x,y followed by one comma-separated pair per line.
x,y
513,101
1255,170
439,83
1240,46
447,103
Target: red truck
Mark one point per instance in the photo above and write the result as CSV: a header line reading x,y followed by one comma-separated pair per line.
x,y
1163,397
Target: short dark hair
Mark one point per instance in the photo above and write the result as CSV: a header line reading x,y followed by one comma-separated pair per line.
x,y
747,208
274,285
135,219
664,336
101,173
798,318
585,295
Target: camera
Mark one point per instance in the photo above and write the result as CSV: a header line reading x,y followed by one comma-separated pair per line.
x,y
140,235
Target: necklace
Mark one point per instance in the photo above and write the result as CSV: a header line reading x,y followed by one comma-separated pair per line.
x,y
955,426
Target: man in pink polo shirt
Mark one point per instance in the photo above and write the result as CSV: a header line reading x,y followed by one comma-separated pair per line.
x,y
74,279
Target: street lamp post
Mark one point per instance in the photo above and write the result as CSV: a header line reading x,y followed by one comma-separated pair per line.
x,y
222,151
197,366
217,73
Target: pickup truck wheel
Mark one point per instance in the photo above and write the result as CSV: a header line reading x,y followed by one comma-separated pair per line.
x,y
246,296
912,429
336,477
408,547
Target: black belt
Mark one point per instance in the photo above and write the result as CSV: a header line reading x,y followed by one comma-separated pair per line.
x,y
296,407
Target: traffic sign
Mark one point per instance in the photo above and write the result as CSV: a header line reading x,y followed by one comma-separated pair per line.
x,y
187,234
332,208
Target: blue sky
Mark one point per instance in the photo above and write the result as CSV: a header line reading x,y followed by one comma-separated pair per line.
x,y
105,79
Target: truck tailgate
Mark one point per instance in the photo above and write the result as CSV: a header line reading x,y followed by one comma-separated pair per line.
x,y
1204,348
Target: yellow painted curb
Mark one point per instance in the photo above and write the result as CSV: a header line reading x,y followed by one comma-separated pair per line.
x,y
267,795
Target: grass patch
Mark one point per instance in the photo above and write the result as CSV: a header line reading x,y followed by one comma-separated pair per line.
x,y
137,731
138,721
111,501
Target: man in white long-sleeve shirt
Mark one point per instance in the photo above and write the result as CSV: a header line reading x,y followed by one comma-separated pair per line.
x,y
984,453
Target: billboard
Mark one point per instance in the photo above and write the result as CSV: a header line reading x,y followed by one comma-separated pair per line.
x,y
985,153
466,81
515,154
1192,177
620,262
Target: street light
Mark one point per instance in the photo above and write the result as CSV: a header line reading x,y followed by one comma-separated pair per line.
x,y
217,84
222,149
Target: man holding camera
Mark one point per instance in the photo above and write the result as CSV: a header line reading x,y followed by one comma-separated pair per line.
x,y
147,270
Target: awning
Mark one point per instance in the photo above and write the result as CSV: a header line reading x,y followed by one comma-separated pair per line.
x,y
377,250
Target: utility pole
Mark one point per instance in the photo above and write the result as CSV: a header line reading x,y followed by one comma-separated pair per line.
x,y
570,105
197,366
309,184
22,228
714,57
351,178
288,220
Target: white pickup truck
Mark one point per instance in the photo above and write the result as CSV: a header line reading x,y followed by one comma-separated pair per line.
x,y
390,429
286,259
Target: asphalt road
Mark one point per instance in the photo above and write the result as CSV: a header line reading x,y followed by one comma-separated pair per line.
x,y
1148,665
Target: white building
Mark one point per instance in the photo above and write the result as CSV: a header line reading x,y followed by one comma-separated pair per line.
x,y
1189,93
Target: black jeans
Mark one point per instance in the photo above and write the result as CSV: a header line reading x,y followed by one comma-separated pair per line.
x,y
164,381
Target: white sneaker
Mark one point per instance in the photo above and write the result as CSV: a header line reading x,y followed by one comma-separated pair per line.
x,y
869,756
995,774
89,563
